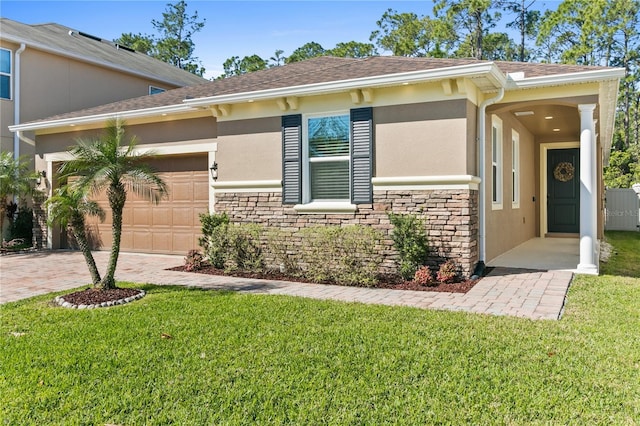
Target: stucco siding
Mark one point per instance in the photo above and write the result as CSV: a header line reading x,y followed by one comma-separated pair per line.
x,y
511,226
70,85
249,150
423,139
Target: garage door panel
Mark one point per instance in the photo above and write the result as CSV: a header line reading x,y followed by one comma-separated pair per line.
x,y
162,216
142,216
183,216
172,225
201,190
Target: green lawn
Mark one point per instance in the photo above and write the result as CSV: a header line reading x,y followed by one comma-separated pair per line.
x,y
245,359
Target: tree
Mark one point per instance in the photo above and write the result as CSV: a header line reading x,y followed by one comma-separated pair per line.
x,y
526,21
112,163
406,34
471,19
236,66
16,180
499,47
306,51
623,169
353,49
174,44
277,59
68,207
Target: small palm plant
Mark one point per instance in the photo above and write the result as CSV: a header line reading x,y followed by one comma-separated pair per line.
x,y
68,207
112,163
16,179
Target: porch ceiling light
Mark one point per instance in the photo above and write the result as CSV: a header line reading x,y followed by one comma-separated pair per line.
x,y
556,130
548,117
523,113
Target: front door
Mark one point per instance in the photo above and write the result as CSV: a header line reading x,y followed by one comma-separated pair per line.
x,y
563,190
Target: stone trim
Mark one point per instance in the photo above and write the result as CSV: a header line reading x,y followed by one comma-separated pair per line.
x,y
450,215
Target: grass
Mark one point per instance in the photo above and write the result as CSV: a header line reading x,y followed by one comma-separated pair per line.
x,y
244,359
625,258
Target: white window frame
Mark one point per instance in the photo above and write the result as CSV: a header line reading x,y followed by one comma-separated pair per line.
x,y
497,163
515,169
306,161
158,90
9,74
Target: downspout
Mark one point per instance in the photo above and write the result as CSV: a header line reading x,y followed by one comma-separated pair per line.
x,y
16,99
482,115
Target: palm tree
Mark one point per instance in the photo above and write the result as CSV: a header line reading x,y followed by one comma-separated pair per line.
x,y
109,162
69,206
15,179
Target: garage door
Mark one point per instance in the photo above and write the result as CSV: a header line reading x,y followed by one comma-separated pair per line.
x,y
171,226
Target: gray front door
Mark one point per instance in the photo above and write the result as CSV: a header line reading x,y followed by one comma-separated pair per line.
x,y
563,190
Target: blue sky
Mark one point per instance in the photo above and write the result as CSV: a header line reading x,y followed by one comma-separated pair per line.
x,y
233,28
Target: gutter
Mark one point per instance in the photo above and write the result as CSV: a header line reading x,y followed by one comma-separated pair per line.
x,y
16,99
482,115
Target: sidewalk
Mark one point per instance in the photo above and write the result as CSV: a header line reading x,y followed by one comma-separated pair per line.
x,y
515,292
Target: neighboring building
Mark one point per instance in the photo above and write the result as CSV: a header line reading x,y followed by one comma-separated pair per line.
x,y
490,154
50,69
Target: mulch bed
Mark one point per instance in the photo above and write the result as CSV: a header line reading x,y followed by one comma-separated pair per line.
x,y
94,296
386,281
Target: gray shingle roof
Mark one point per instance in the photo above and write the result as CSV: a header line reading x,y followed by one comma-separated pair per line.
x,y
317,70
70,42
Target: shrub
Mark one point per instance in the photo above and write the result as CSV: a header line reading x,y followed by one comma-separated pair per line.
x,y
244,251
280,249
424,277
194,261
410,241
214,240
342,255
448,272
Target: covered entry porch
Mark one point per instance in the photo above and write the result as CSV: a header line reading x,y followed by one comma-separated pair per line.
x,y
547,254
550,214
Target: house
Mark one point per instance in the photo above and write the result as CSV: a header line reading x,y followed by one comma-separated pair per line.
x,y
50,69
490,154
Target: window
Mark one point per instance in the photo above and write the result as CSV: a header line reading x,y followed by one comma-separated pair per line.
x,y
496,162
155,90
326,174
5,74
515,169
327,158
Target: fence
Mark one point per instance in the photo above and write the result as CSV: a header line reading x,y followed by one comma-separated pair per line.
x,y
622,213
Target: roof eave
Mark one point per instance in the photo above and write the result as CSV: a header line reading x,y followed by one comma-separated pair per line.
x,y
487,69
569,78
100,118
93,61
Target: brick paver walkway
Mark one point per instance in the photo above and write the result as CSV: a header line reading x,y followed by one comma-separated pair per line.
x,y
517,292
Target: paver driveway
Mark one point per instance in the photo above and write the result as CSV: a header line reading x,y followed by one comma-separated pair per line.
x,y
523,293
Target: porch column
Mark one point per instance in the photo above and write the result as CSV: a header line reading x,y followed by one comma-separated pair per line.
x,y
588,191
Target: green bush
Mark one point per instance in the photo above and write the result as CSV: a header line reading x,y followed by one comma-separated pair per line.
x,y
342,255
244,251
410,241
214,240
281,251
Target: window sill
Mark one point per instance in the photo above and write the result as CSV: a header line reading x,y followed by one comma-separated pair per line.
x,y
325,207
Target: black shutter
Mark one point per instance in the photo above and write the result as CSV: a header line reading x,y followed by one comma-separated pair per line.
x,y
361,155
292,159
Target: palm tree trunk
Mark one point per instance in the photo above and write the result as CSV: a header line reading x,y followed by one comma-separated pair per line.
x,y
77,226
117,197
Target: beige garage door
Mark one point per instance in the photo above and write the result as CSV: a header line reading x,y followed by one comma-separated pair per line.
x,y
173,225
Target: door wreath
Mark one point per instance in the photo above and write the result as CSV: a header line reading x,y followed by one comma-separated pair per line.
x,y
564,171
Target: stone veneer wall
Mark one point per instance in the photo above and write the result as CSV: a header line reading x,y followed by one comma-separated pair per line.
x,y
451,218
40,228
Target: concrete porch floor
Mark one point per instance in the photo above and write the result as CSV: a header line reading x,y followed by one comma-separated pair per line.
x,y
547,254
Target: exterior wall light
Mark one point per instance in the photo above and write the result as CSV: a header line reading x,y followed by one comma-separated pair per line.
x,y
41,175
214,171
